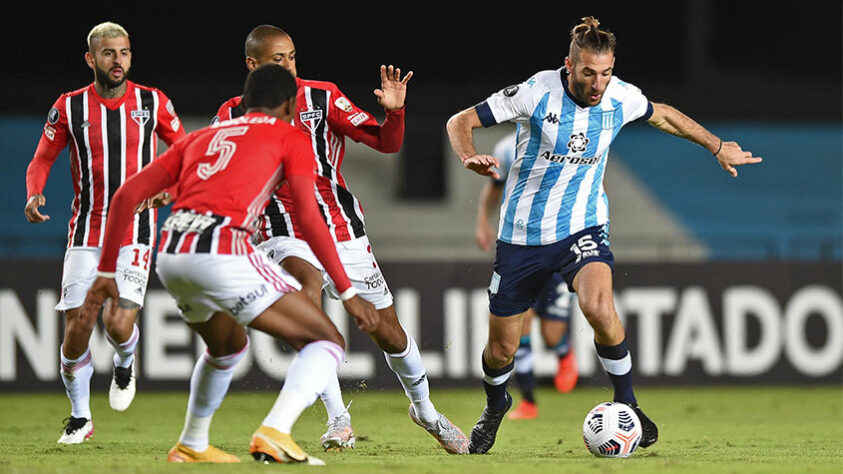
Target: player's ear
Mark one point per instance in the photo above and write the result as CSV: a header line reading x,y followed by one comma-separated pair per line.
x,y
251,64
569,65
89,58
288,108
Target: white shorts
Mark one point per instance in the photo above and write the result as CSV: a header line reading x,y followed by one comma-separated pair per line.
x,y
356,257
242,286
80,271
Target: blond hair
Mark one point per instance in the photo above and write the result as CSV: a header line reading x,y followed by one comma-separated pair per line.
x,y
587,35
106,30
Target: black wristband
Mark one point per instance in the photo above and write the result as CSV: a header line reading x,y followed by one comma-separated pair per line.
x,y
720,148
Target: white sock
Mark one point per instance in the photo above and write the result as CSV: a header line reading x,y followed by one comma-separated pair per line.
x,y
332,399
76,375
208,386
124,353
407,365
309,374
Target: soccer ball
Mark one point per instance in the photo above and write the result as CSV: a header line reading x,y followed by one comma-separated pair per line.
x,y
611,430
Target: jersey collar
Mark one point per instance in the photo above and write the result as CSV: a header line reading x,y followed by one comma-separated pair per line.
x,y
115,103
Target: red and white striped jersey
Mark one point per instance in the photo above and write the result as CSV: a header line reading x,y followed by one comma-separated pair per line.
x,y
226,174
327,116
110,140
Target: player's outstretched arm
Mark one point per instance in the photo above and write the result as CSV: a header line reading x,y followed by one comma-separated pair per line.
x,y
393,89
461,134
674,122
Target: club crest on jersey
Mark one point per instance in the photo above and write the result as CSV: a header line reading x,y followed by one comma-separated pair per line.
x,y
310,118
343,104
53,116
578,142
140,117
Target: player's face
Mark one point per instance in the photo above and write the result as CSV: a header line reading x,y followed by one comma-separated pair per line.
x,y
111,60
278,50
590,75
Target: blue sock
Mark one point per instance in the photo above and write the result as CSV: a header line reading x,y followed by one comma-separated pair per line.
x,y
617,362
494,382
524,369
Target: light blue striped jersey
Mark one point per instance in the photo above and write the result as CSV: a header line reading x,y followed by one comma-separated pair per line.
x,y
555,183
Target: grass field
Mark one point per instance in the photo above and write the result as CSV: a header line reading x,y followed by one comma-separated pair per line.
x,y
718,429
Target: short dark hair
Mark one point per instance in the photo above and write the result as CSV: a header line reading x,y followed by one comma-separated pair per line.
x,y
587,35
268,86
258,36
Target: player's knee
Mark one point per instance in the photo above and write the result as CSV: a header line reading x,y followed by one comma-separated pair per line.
x,y
499,352
597,307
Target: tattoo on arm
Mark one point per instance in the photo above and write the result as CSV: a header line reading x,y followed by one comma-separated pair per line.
x,y
126,304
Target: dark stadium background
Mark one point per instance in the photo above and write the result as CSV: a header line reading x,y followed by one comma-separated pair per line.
x,y
762,71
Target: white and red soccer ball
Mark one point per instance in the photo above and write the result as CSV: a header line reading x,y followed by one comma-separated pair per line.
x,y
611,430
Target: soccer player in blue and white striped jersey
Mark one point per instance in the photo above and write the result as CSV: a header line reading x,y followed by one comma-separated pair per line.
x,y
554,217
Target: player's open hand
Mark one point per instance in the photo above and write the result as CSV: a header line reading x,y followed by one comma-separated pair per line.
x,y
364,314
483,165
101,289
732,155
393,89
31,209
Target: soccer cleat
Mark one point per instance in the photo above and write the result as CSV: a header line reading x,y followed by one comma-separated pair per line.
x,y
566,373
76,430
649,430
524,411
122,390
270,445
340,435
181,453
446,433
484,432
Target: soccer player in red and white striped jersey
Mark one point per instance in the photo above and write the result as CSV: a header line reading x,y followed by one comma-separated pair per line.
x,y
112,127
225,175
328,117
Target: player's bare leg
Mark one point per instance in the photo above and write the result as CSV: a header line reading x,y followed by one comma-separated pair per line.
x,y
123,334
593,284
340,434
76,372
498,365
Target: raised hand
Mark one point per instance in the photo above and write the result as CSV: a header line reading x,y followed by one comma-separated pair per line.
x,y
483,165
31,210
393,89
731,155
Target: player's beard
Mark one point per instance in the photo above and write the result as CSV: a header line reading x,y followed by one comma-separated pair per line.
x,y
105,80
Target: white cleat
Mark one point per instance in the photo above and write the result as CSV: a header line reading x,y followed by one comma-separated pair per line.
x,y
122,390
449,436
77,430
340,435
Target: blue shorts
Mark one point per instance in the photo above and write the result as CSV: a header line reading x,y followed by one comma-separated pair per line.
x,y
555,302
522,271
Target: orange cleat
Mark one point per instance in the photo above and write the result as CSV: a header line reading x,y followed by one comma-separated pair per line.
x,y
525,411
181,453
566,373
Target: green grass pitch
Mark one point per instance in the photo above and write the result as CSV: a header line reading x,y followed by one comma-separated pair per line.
x,y
703,429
